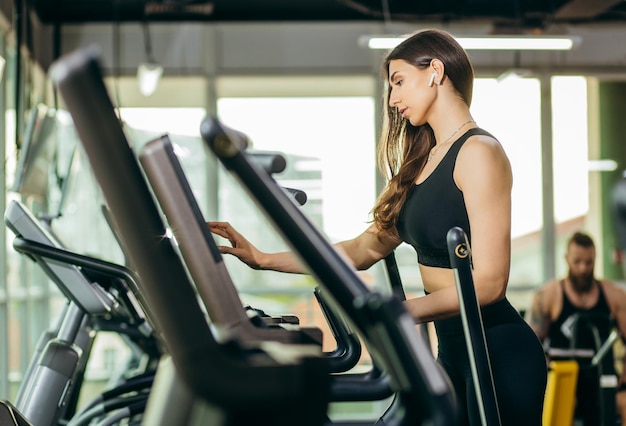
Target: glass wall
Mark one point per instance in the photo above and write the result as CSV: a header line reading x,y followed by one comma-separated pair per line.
x,y
570,162
17,296
329,144
6,142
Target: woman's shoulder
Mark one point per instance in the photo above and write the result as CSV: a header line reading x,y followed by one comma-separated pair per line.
x,y
482,152
482,143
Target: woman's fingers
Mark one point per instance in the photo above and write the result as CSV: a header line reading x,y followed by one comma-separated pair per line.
x,y
225,249
240,247
223,229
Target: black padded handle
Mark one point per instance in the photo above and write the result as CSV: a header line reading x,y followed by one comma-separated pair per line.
x,y
271,162
461,261
298,194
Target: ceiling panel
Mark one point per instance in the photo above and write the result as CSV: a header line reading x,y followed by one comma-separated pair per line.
x,y
523,13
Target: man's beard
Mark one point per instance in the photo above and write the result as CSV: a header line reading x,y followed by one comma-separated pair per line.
x,y
581,283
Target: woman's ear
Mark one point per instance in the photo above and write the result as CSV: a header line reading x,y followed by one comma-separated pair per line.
x,y
438,69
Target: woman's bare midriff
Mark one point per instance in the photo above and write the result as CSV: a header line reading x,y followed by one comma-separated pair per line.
x,y
436,278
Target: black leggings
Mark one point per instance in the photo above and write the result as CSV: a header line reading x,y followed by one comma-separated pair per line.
x,y
517,362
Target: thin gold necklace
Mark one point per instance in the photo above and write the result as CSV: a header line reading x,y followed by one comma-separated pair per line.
x,y
436,148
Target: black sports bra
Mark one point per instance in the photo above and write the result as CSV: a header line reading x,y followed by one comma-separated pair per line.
x,y
433,207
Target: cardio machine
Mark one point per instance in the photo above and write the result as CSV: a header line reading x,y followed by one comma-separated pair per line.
x,y
100,298
591,348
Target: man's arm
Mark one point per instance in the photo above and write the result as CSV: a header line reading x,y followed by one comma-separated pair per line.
x,y
538,316
616,296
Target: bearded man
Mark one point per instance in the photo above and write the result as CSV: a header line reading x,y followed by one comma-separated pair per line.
x,y
573,316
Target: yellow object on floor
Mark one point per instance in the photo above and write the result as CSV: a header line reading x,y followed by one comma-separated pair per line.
x,y
560,398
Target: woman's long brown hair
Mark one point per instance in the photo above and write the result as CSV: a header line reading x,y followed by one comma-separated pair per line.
x,y
403,148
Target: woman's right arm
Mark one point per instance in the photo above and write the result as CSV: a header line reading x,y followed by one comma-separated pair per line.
x,y
362,251
368,248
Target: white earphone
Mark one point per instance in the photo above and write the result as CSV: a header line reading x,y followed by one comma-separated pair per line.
x,y
432,80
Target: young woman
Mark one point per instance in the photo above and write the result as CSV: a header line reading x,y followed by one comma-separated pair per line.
x,y
443,171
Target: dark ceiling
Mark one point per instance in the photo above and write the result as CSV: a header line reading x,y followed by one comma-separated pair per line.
x,y
507,13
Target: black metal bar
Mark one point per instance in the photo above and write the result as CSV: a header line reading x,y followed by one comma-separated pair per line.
x,y
348,350
395,280
461,261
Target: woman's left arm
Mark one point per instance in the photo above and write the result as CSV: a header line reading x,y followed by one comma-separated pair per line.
x,y
483,173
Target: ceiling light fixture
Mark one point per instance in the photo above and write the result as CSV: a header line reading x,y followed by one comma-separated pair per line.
x,y
148,75
499,42
150,71
604,165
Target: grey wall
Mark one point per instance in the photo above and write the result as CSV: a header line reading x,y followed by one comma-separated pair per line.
x,y
323,48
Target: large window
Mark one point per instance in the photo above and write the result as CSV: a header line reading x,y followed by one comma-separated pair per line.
x,y
510,110
329,146
570,161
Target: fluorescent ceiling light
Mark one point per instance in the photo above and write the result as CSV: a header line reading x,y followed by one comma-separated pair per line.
x,y
512,42
517,43
602,165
